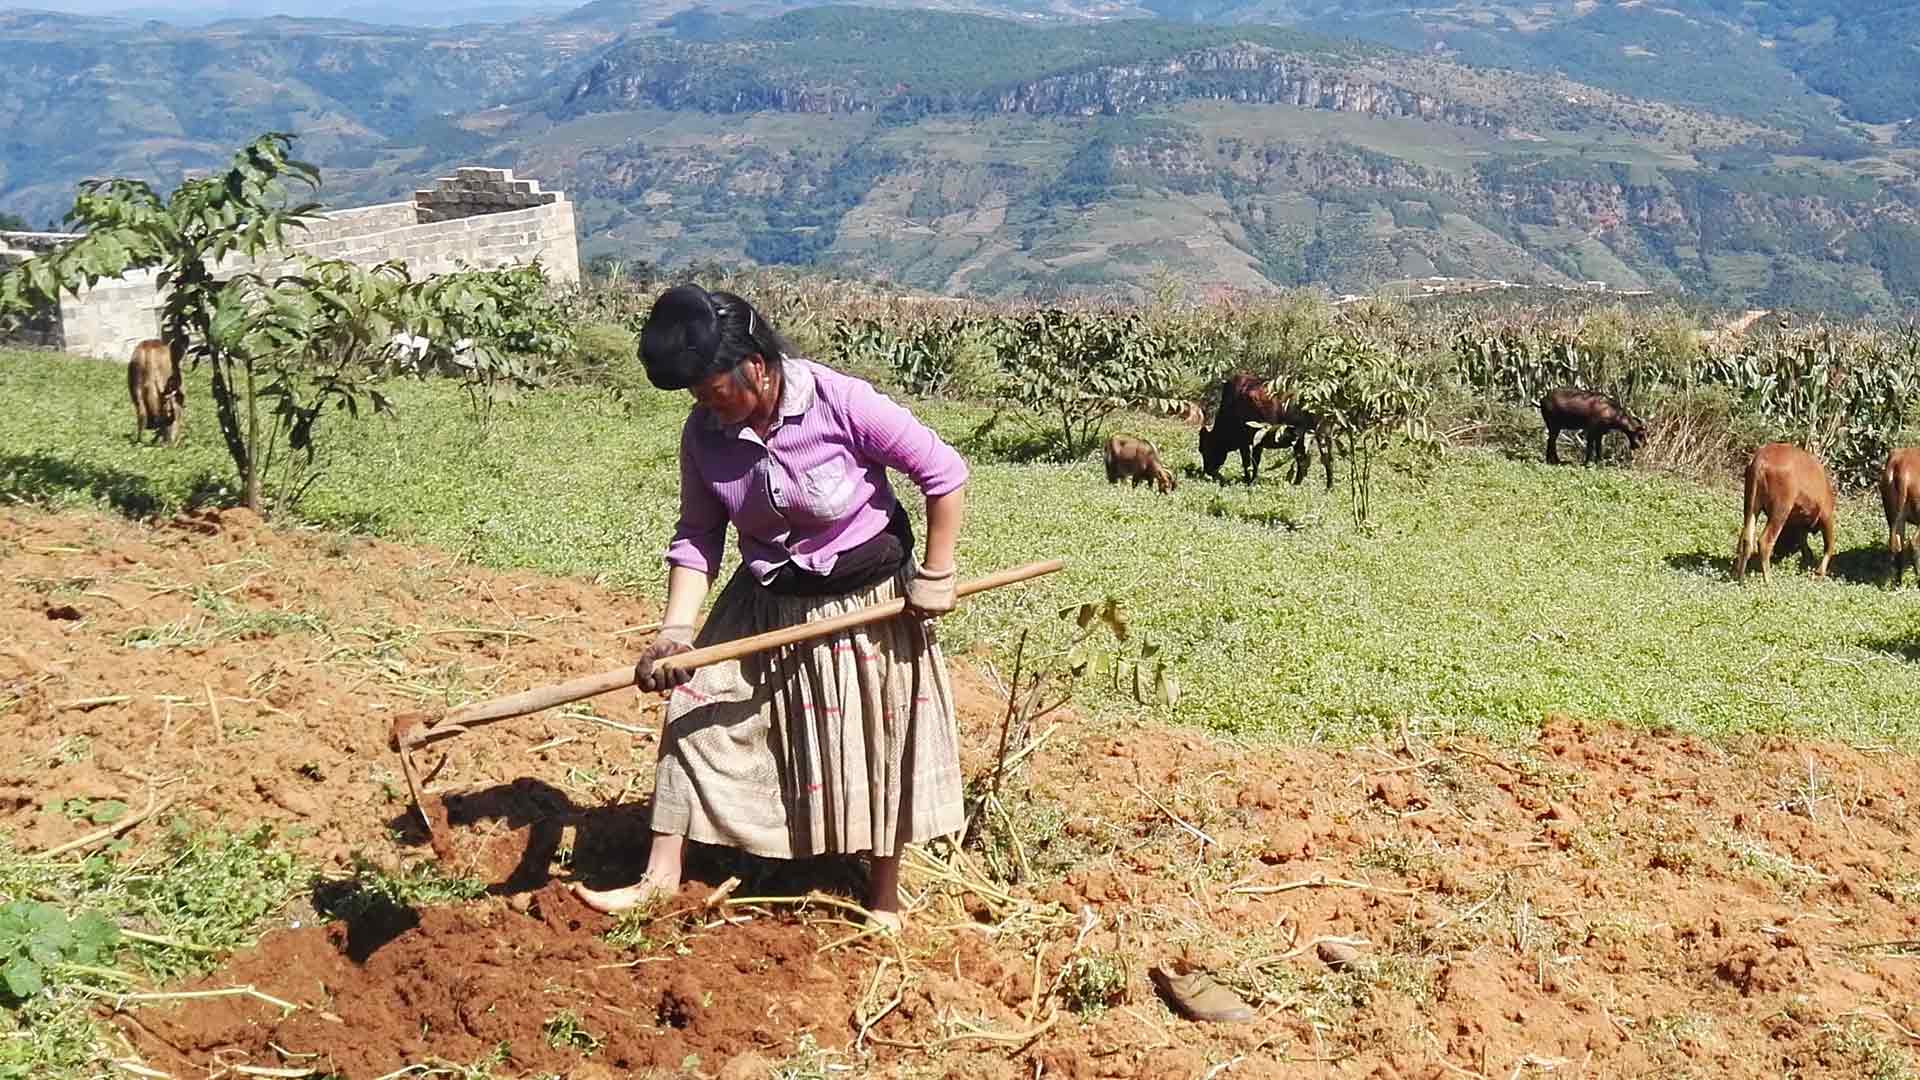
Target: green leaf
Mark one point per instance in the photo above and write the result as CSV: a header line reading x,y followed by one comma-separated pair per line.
x,y
1078,660
47,922
95,929
108,811
22,977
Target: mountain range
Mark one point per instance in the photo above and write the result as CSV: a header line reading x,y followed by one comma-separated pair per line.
x,y
1737,152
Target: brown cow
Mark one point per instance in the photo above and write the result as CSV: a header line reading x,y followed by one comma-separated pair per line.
x,y
1792,490
1591,414
1136,459
159,396
1900,498
1243,399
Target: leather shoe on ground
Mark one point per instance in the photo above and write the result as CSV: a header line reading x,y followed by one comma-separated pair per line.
x,y
1196,996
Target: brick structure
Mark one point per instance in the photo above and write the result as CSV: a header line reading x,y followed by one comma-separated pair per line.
x,y
470,191
475,219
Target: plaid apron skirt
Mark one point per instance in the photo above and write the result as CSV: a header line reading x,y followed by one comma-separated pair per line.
x,y
843,744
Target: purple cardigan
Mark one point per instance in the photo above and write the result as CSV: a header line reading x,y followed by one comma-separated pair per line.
x,y
815,488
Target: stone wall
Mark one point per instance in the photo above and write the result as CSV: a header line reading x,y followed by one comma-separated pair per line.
x,y
476,219
43,332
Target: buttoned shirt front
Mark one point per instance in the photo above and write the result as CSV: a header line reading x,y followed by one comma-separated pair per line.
x,y
815,486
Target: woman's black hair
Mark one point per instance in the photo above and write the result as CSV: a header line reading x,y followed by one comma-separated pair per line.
x,y
745,332
692,335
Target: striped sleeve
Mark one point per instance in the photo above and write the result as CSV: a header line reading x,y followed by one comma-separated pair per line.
x,y
699,539
884,431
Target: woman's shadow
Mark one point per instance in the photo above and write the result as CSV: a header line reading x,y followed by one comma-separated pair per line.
x,y
609,849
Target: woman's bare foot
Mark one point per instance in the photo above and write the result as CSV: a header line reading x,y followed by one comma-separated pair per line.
x,y
660,880
887,922
615,901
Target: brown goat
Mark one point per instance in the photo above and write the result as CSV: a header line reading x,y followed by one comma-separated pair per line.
x,y
1792,490
1900,498
1591,414
159,396
1136,459
1244,399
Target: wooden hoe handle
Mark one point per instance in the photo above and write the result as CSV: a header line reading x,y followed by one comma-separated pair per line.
x,y
586,686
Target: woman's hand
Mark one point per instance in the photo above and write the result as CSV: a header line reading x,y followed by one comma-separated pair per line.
x,y
931,592
669,641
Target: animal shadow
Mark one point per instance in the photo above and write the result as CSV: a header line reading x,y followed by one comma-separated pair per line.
x,y
1701,563
40,476
1867,564
1906,645
1281,518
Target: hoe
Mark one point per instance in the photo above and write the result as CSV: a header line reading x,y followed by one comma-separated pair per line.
x,y
410,732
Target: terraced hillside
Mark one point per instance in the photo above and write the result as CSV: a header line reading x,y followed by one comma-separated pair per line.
x,y
966,153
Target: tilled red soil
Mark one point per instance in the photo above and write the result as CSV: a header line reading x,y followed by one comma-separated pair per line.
x,y
455,984
1602,902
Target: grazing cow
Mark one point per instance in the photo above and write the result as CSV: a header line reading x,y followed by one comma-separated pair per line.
x,y
1135,459
1243,400
1791,488
1590,413
159,396
1900,497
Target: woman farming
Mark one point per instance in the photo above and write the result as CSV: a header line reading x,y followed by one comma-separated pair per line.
x,y
846,743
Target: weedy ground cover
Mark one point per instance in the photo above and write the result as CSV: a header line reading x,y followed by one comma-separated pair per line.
x,y
129,919
77,929
1488,592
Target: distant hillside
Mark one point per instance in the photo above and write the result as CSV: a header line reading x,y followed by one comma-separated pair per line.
x,y
190,13
962,152
1783,60
910,64
86,96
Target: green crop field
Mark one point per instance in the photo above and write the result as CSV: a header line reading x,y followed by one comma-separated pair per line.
x,y
1489,593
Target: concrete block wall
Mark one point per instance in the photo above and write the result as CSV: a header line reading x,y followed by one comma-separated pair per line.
x,y
478,219
109,319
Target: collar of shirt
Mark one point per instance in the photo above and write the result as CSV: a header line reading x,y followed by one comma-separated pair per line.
x,y
796,394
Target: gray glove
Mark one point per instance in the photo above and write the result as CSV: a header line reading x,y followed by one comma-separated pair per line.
x,y
669,641
931,592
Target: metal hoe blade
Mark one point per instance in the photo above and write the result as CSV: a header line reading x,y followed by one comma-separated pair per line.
x,y
405,736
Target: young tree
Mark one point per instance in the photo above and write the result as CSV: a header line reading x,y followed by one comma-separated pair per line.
x,y
1070,370
282,348
241,211
307,340
1369,390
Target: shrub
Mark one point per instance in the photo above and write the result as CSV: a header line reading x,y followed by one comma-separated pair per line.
x,y
606,354
1074,369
